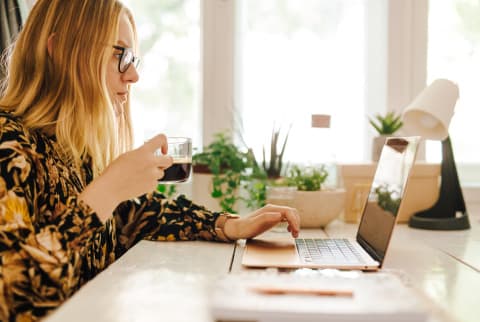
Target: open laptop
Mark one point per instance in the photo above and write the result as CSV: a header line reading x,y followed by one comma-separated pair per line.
x,y
368,250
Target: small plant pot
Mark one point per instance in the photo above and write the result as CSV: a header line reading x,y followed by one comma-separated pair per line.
x,y
318,208
377,145
202,188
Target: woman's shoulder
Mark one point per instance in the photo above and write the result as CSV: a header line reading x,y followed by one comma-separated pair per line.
x,y
12,128
10,122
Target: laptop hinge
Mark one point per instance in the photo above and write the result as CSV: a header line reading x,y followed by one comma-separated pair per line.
x,y
370,250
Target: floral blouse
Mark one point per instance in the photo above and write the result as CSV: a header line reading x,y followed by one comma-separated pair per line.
x,y
50,242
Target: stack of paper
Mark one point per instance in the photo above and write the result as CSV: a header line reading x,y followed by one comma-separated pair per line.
x,y
308,296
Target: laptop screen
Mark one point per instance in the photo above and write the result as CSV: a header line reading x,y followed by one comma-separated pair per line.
x,y
386,192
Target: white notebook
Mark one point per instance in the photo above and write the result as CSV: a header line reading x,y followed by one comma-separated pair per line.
x,y
376,297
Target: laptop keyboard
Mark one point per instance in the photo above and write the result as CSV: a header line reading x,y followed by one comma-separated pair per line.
x,y
320,250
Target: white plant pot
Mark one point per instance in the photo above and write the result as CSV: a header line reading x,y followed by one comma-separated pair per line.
x,y
202,192
318,208
377,145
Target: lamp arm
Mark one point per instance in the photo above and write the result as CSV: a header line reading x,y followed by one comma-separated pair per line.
x,y
450,189
449,212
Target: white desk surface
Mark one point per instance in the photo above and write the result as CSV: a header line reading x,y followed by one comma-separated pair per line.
x,y
171,281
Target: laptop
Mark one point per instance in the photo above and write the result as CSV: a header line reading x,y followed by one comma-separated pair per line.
x,y
368,250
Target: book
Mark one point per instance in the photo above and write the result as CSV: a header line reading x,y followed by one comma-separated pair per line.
x,y
315,295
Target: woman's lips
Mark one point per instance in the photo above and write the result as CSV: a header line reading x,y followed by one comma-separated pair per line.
x,y
123,95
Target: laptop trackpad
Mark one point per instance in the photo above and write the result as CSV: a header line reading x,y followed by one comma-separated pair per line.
x,y
271,252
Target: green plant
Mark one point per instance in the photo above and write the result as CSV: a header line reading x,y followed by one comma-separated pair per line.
x,y
305,179
388,124
257,192
168,190
385,199
228,164
261,176
273,168
308,178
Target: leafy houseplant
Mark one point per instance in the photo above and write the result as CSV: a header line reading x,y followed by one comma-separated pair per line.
x,y
227,164
385,126
269,173
388,124
316,206
275,165
308,179
168,190
386,199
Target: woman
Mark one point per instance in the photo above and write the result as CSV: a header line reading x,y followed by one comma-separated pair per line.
x,y
72,199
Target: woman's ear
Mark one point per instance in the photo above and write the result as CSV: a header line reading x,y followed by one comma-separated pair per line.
x,y
50,41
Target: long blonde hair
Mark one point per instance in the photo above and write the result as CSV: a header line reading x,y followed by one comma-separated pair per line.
x,y
65,92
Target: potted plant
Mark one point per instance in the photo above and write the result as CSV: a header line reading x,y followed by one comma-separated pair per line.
x,y
266,173
385,126
388,199
218,172
168,190
316,206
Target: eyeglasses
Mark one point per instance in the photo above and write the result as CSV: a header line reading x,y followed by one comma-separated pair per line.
x,y
126,58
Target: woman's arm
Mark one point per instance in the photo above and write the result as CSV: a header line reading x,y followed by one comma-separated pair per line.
x,y
155,218
132,174
45,253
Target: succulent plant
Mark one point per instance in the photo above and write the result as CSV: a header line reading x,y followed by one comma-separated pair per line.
x,y
388,124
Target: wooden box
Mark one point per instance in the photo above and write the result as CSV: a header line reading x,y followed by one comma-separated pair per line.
x,y
422,190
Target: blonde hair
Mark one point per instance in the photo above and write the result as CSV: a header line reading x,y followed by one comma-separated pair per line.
x,y
65,92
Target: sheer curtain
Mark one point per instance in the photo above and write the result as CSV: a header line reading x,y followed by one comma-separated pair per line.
x,y
12,15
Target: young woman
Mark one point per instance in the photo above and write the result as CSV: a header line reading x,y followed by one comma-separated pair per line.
x,y
74,196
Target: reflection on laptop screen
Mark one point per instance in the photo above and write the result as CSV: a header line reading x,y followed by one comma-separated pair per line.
x,y
385,194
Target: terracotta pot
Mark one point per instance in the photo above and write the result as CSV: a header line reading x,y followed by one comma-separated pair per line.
x,y
318,208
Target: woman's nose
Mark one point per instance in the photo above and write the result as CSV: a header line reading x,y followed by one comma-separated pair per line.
x,y
131,74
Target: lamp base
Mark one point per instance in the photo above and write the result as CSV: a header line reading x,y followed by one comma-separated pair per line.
x,y
444,215
448,223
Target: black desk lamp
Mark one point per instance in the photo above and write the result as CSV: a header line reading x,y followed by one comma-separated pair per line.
x,y
429,115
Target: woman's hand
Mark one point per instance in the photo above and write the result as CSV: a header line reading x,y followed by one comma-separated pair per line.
x,y
130,175
262,220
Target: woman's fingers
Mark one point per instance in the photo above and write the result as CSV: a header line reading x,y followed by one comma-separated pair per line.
x,y
164,161
270,215
153,145
289,214
157,142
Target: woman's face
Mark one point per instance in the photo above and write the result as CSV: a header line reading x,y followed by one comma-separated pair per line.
x,y
119,83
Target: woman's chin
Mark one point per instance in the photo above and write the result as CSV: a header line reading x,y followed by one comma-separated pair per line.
x,y
118,107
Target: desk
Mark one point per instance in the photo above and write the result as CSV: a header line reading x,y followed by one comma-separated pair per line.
x,y
172,281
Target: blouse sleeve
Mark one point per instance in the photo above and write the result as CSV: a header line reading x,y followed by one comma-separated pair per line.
x,y
154,217
40,259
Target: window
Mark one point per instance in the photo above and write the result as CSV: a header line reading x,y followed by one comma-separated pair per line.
x,y
298,58
454,53
289,59
166,99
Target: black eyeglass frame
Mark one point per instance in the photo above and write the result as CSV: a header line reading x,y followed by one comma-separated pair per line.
x,y
135,60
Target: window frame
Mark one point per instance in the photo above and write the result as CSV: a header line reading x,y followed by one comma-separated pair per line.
x,y
400,59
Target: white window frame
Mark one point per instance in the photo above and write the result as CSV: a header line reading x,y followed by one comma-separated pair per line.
x,y
218,25
400,56
402,61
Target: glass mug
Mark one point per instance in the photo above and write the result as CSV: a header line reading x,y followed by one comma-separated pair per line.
x,y
180,149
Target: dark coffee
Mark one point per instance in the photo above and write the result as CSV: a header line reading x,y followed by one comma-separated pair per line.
x,y
177,172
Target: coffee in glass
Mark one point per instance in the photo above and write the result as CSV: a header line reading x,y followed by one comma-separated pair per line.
x,y
180,149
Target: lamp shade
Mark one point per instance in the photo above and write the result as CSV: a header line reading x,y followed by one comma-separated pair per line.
x,y
430,112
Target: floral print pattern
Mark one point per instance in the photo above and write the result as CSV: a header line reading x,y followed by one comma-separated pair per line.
x,y
50,242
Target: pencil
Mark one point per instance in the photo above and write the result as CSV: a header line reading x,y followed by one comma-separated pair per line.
x,y
280,290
